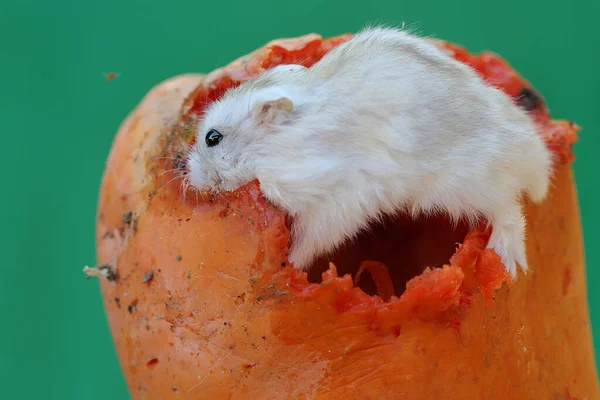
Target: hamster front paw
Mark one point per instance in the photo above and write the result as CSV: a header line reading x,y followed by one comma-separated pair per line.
x,y
316,234
302,253
298,260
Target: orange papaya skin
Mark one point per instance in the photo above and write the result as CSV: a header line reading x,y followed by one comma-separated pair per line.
x,y
223,316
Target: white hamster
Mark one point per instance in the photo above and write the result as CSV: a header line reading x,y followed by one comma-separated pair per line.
x,y
385,122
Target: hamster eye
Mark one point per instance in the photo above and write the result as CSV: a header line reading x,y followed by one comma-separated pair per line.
x,y
213,138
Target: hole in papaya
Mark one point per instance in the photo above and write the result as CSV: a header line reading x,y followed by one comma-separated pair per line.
x,y
405,245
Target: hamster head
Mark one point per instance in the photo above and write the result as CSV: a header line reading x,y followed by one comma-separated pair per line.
x,y
233,131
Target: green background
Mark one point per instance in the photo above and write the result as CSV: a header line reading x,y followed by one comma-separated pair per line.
x,y
58,115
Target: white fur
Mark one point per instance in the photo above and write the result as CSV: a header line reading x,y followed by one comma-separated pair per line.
x,y
384,122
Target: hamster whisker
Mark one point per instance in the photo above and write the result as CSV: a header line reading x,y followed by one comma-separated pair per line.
x,y
170,170
166,184
163,158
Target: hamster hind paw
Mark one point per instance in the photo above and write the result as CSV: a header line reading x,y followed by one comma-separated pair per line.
x,y
509,244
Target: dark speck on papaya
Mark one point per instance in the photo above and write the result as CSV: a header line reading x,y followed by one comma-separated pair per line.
x,y
179,162
148,276
127,217
529,98
132,307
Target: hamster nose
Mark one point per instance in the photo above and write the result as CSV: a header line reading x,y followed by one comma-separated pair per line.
x,y
196,176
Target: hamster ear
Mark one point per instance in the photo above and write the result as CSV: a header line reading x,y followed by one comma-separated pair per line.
x,y
272,111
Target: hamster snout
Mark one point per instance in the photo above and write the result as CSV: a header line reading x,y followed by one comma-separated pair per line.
x,y
383,123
